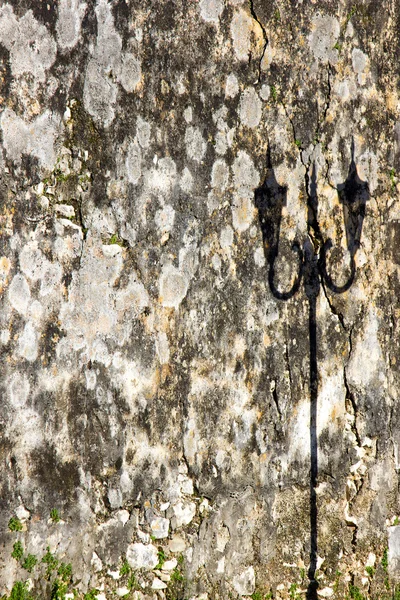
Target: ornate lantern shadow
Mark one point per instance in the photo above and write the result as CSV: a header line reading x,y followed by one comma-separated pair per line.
x,y
270,199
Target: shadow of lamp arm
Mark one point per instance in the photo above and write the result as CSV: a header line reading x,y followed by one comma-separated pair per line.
x,y
353,196
270,199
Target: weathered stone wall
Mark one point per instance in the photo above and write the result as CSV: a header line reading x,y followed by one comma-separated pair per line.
x,y
155,378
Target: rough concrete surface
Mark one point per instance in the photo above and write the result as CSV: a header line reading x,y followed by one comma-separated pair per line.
x,y
199,283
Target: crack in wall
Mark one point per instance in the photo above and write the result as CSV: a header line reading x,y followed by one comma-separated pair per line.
x,y
327,105
332,307
288,367
275,398
265,37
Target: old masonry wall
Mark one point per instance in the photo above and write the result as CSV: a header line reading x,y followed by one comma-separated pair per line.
x,y
199,291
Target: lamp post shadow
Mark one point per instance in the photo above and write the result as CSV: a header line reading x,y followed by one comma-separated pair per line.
x,y
270,198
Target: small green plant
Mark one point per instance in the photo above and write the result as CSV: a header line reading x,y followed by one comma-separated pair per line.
x,y
274,93
298,143
386,583
51,561
277,15
181,559
14,524
176,576
259,596
370,571
351,14
396,593
338,575
125,569
55,515
29,563
293,593
161,558
18,551
384,561
338,46
132,582
91,595
115,239
58,590
65,571
20,591
355,593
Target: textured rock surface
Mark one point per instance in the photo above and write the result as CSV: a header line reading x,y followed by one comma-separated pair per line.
x,y
154,389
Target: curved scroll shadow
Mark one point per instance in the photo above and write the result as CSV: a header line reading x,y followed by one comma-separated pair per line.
x,y
270,199
353,196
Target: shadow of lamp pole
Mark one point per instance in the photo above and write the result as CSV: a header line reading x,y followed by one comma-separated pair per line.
x,y
270,199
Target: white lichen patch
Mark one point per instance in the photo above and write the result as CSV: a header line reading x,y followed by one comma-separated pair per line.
x,y
331,395
250,108
188,114
36,267
173,287
68,244
345,90
106,66
265,92
367,166
37,137
143,129
360,62
136,382
95,311
162,347
245,175
325,31
163,176
220,175
243,212
28,342
131,72
231,86
226,237
31,46
133,162
195,144
164,219
210,10
186,181
70,15
366,344
19,294
18,389
259,257
247,35
99,95
36,312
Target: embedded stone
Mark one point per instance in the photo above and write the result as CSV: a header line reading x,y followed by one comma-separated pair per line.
x,y
141,556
